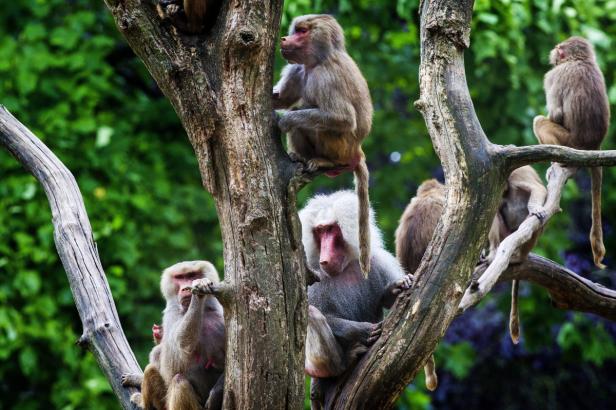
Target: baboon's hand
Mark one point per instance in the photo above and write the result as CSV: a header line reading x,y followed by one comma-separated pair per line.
x,y
403,284
201,287
375,333
131,380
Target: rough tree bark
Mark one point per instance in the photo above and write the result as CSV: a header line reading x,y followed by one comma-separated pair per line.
x,y
475,172
219,83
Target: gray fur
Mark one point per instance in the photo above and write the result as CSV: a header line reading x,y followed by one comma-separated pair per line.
x,y
345,308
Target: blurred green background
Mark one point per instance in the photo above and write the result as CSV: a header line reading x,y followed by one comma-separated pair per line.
x,y
67,74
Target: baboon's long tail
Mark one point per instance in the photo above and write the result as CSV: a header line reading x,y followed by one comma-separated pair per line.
x,y
361,187
596,231
430,371
514,314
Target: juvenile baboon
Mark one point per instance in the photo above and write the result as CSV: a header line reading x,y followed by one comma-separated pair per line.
x,y
578,116
418,222
333,109
346,309
186,368
414,232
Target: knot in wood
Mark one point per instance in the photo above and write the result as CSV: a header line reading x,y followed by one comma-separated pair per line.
x,y
83,341
247,38
474,286
420,105
455,27
125,22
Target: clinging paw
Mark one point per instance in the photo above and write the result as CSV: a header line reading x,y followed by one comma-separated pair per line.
x,y
312,166
295,157
131,380
201,287
375,333
168,8
403,284
540,214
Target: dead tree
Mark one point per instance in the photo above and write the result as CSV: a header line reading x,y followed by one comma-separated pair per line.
x,y
219,83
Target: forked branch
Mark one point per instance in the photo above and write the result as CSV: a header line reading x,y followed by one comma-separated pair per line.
x,y
557,177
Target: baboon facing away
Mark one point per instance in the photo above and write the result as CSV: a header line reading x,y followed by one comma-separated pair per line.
x,y
578,116
524,195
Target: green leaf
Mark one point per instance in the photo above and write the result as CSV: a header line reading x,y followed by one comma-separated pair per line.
x,y
28,361
64,37
460,358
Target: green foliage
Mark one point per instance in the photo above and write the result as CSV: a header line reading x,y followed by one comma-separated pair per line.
x,y
460,358
581,336
67,74
414,398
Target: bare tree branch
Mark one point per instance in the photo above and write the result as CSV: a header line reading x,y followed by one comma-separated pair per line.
x,y
519,156
102,331
557,177
567,289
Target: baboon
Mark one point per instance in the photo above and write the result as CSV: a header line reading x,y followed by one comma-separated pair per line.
x,y
524,195
186,368
346,309
578,116
332,111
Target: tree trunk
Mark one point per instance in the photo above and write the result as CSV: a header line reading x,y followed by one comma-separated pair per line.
x,y
220,84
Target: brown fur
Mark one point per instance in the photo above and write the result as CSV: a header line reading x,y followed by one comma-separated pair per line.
x,y
418,222
189,16
578,115
524,194
181,395
414,233
195,14
430,372
514,313
186,368
334,109
153,388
